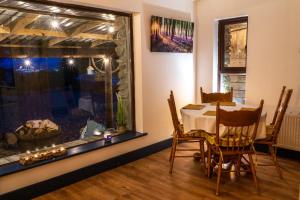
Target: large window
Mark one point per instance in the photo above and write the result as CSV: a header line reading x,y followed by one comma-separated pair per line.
x,y
65,75
233,56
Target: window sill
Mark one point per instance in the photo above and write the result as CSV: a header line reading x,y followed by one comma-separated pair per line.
x,y
74,151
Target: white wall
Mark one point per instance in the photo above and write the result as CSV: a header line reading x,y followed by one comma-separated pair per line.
x,y
273,46
155,75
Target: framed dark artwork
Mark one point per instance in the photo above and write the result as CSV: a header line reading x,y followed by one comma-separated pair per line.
x,y
233,45
171,35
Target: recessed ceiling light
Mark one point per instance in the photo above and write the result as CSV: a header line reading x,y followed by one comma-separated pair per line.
x,y
54,23
55,9
27,62
106,60
111,29
71,61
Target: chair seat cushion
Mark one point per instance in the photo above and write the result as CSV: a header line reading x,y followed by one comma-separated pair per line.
x,y
224,142
194,134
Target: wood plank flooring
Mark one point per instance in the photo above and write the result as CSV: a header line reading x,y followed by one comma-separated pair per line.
x,y
148,179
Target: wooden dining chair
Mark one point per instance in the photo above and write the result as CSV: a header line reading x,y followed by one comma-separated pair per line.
x,y
278,105
240,131
216,96
180,136
273,130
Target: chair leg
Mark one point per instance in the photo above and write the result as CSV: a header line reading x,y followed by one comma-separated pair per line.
x,y
219,176
172,146
208,163
202,153
253,172
238,165
273,151
173,155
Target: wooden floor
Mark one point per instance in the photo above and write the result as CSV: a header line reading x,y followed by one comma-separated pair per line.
x,y
148,179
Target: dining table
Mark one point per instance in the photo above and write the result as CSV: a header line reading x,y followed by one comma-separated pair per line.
x,y
203,117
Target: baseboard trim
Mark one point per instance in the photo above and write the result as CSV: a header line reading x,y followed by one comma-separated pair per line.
x,y
284,153
55,183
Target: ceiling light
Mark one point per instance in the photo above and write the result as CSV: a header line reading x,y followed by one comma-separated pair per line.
x,y
55,9
105,60
111,29
71,61
19,2
27,62
54,24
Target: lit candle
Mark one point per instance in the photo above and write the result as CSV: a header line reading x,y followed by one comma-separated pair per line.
x,y
35,155
28,152
62,148
107,136
53,151
26,158
53,145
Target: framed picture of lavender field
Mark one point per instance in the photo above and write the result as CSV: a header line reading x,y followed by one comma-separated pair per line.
x,y
171,35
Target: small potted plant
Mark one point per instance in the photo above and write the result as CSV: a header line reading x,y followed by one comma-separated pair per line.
x,y
120,118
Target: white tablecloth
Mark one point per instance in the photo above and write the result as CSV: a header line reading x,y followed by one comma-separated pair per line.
x,y
194,119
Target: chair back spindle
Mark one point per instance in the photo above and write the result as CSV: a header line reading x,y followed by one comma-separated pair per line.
x,y
175,119
280,115
240,127
278,105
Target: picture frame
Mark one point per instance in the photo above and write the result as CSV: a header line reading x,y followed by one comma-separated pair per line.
x,y
171,35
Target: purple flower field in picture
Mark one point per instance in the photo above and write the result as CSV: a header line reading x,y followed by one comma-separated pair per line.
x,y
171,35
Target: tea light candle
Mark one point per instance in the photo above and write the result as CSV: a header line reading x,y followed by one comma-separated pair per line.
x,y
35,155
107,136
53,145
62,148
27,152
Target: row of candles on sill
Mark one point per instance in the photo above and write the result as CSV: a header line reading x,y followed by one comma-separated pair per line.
x,y
107,137
53,146
49,152
44,154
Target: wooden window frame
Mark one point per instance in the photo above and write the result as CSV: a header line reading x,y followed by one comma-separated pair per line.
x,y
222,24
221,68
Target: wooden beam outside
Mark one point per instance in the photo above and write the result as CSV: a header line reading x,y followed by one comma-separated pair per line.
x,y
78,30
98,42
36,46
3,37
23,21
56,33
16,52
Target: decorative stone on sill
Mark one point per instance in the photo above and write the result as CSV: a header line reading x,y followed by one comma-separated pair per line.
x,y
46,154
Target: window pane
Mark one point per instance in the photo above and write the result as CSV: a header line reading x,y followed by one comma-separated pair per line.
x,y
60,75
237,82
235,45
